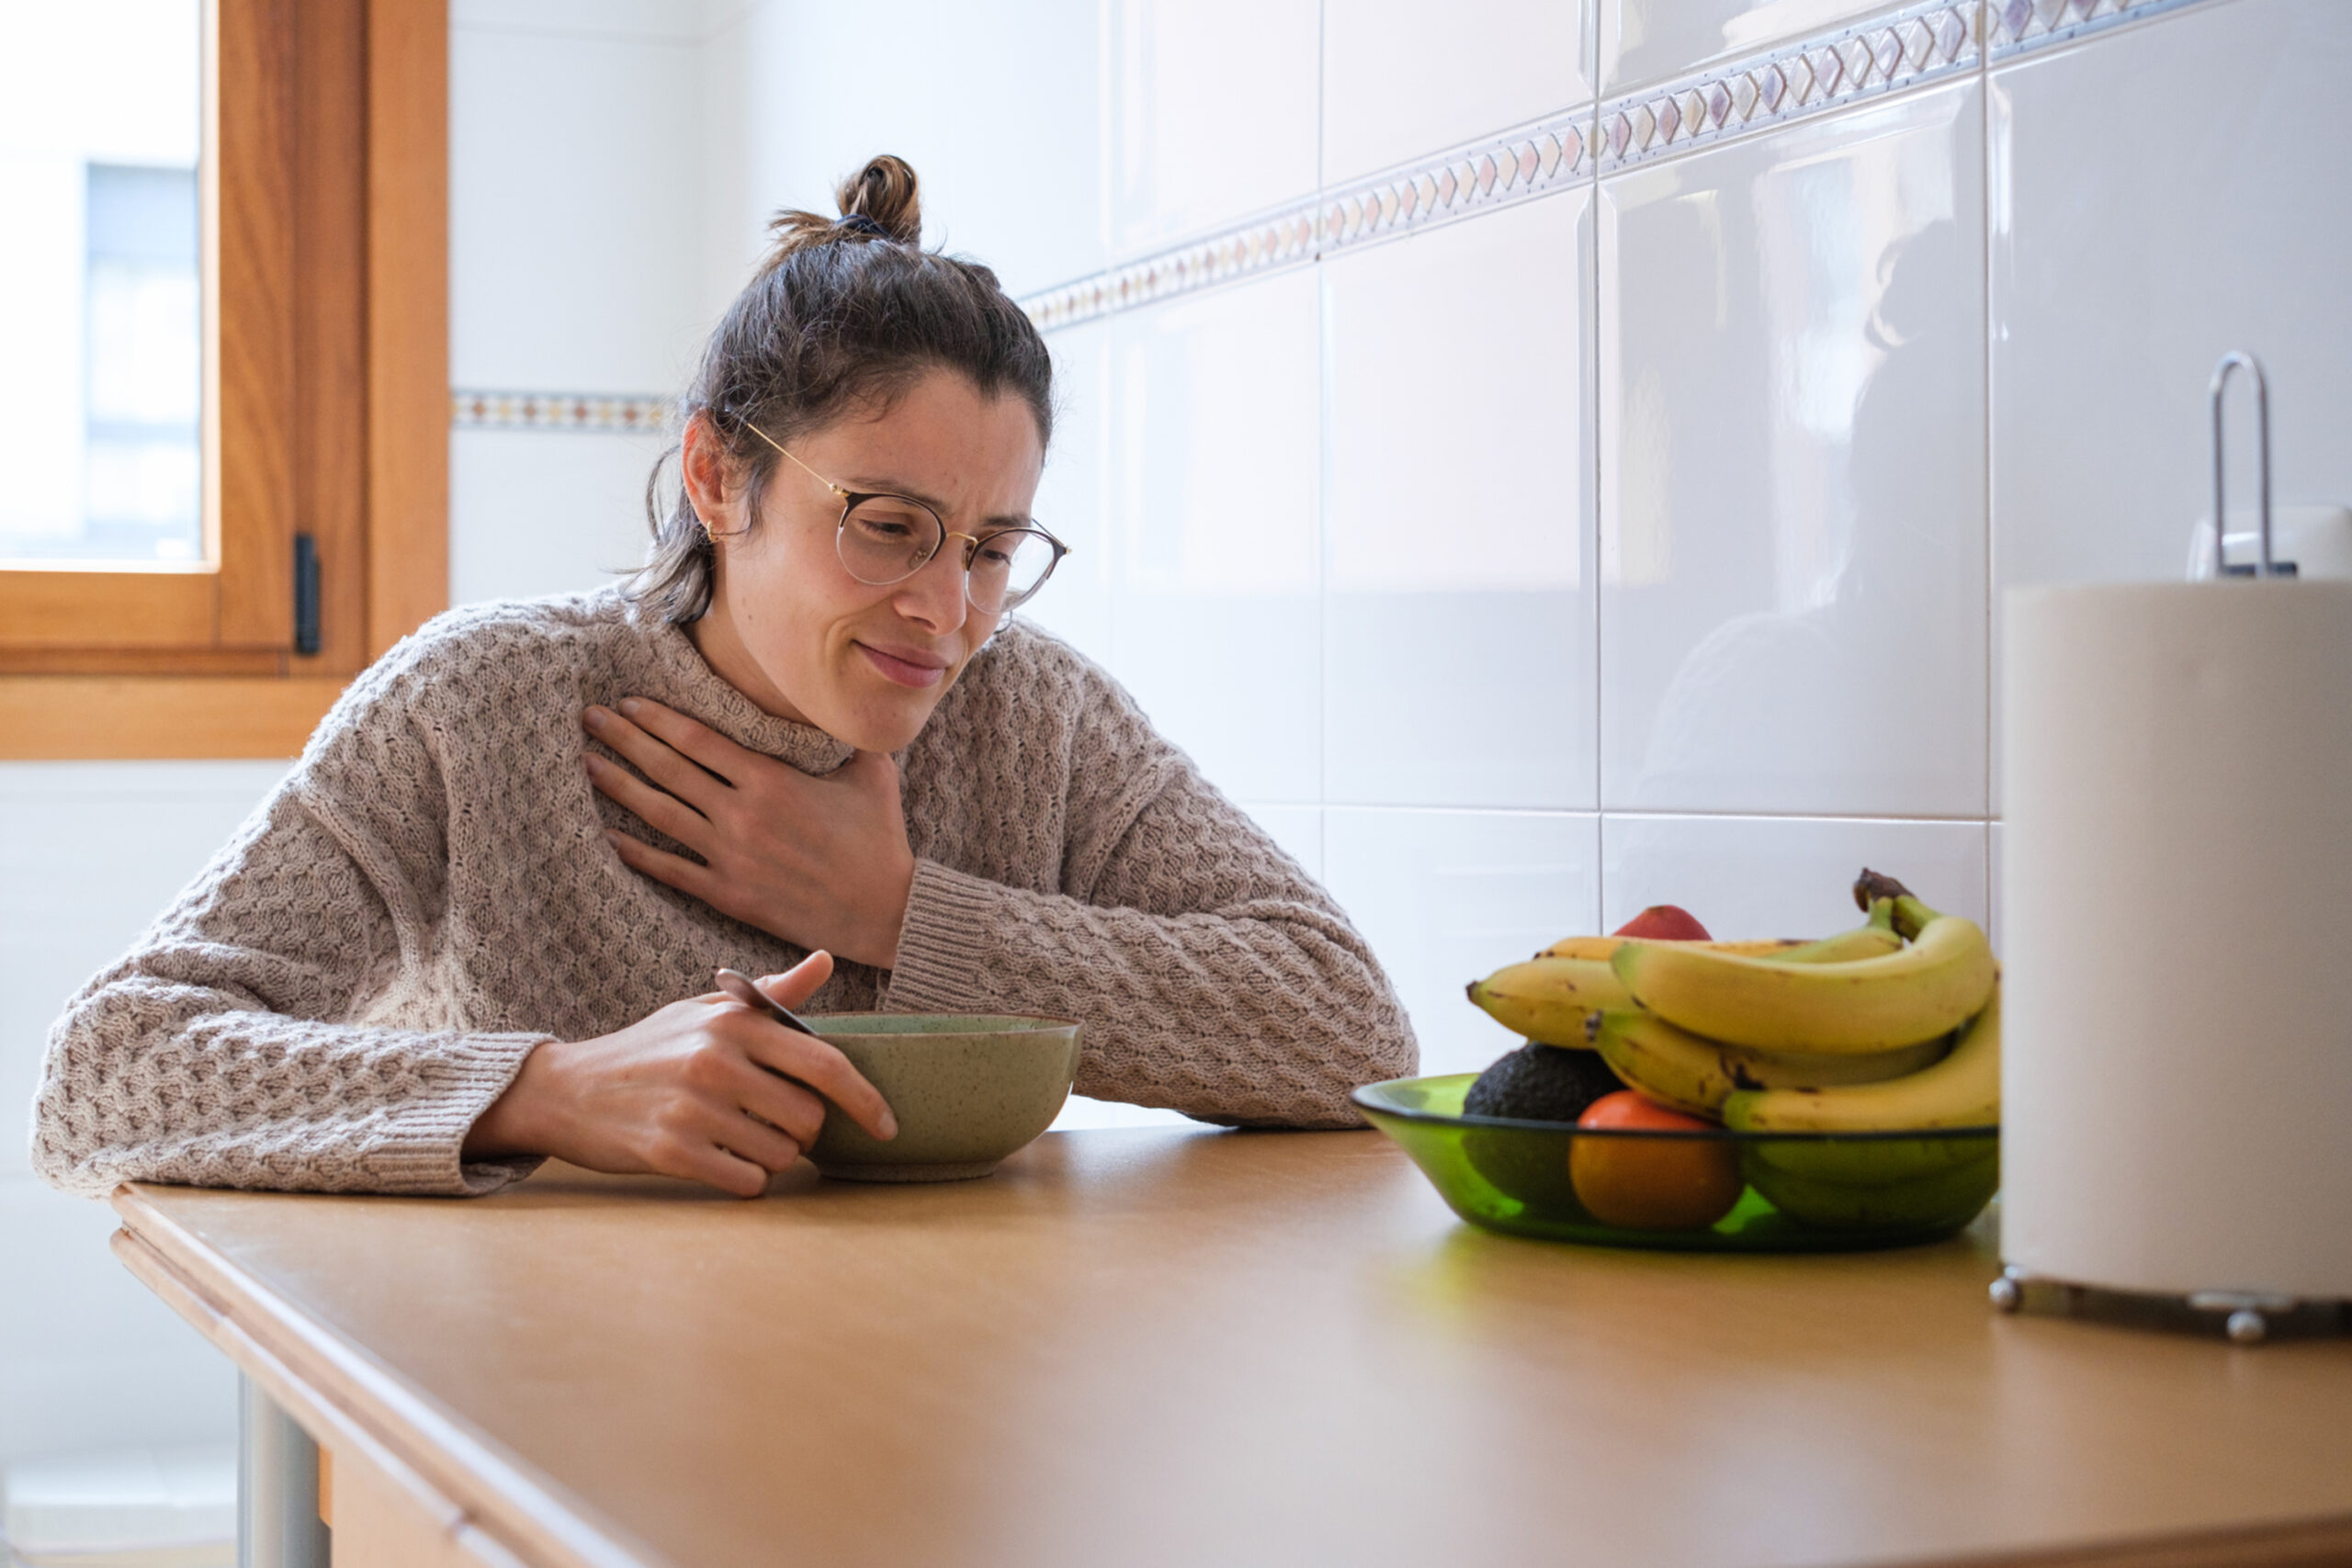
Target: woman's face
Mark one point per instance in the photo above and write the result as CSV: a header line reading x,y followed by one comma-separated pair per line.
x,y
788,625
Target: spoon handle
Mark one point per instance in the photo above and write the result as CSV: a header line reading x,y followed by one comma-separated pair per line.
x,y
739,985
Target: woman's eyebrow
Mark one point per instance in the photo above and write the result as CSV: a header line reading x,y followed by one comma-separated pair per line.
x,y
871,486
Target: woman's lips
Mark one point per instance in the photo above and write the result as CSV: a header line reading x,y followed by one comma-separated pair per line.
x,y
905,671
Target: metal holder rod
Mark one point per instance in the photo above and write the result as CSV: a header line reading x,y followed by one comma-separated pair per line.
x,y
2237,359
278,1486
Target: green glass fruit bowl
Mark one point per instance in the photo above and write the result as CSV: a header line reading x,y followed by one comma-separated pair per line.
x,y
1704,1191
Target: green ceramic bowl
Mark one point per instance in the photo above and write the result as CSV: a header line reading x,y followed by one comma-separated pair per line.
x,y
968,1089
1799,1191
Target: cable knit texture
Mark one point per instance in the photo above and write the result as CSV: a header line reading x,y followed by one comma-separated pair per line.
x,y
350,983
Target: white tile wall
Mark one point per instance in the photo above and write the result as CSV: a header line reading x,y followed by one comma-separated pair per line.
x,y
1403,78
1458,496
1643,41
1214,433
1445,897
538,512
1213,112
1765,877
999,113
574,209
1793,470
2101,347
1073,498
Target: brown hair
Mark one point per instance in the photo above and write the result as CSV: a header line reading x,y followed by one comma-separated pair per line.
x,y
843,315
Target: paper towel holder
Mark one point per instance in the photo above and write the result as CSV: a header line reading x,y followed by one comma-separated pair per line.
x,y
2248,1316
2217,393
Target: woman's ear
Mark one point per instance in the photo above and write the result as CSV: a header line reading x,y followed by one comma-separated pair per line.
x,y
709,477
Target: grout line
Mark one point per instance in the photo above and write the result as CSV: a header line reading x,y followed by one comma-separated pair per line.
x,y
1632,813
1992,583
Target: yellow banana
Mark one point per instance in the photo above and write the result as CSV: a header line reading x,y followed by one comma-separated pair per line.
x,y
1874,937
1679,1068
1549,999
1926,990
1961,1091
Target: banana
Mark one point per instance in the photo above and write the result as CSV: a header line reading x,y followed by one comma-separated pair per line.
x,y
1939,1201
1926,990
1961,1091
1549,999
1875,936
1676,1068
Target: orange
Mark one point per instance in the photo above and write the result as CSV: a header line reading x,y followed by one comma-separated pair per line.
x,y
1652,1184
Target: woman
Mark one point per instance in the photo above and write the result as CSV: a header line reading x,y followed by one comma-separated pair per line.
x,y
804,742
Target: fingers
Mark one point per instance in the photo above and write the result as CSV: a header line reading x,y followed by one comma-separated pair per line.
x,y
801,982
680,873
697,740
665,812
654,756
701,1160
783,1104
824,1069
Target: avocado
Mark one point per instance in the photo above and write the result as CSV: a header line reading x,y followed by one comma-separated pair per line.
x,y
1541,1083
1535,1083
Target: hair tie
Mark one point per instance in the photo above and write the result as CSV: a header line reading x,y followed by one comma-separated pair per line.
x,y
859,224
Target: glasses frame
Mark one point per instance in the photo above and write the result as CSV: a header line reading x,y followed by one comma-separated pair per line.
x,y
851,498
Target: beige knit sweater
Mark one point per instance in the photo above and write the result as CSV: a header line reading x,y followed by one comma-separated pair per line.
x,y
349,983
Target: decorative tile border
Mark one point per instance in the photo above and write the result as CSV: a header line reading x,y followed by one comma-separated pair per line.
x,y
1476,176
1918,43
557,410
2021,25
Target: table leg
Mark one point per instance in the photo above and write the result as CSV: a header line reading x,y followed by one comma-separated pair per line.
x,y
278,1487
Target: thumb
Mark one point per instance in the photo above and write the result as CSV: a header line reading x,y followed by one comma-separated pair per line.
x,y
801,982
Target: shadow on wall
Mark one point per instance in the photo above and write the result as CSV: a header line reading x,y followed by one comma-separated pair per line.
x,y
1774,687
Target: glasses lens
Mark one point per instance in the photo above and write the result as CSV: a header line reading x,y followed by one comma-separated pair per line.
x,y
1009,566
885,538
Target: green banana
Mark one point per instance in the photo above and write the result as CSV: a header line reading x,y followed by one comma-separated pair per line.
x,y
1873,937
1928,989
1679,1068
1938,1200
1869,1162
1550,999
1961,1091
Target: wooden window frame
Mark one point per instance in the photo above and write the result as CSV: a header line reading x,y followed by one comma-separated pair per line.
x,y
326,408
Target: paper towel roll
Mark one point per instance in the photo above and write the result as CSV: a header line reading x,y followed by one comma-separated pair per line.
x,y
2176,937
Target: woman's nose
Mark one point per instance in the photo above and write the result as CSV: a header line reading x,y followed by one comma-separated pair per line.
x,y
933,597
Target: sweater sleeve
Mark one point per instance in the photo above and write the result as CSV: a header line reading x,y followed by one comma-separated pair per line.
x,y
227,1047
1212,976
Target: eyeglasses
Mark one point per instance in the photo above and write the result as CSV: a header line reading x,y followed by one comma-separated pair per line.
x,y
884,539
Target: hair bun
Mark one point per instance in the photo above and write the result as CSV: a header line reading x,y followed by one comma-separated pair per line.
x,y
885,193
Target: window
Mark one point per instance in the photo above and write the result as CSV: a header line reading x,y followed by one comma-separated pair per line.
x,y
225,320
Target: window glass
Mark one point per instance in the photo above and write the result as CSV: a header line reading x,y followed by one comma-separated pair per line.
x,y
101,372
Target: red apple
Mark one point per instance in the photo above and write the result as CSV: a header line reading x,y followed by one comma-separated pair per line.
x,y
1664,922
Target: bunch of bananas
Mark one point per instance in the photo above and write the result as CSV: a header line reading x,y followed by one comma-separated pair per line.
x,y
1892,1027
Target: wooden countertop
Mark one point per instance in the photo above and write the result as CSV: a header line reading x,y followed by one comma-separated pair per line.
x,y
1223,1347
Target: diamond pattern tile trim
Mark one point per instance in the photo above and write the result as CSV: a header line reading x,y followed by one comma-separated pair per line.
x,y
1456,183
559,410
1919,43
2015,26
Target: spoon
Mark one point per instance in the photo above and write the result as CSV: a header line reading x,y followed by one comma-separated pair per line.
x,y
737,984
